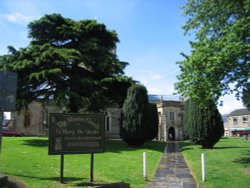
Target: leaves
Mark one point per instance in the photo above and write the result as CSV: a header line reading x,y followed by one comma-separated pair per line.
x,y
221,53
68,61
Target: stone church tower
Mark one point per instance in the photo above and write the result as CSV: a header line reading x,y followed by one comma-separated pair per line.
x,y
170,120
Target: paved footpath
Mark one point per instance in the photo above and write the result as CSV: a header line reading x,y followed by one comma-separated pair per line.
x,y
172,171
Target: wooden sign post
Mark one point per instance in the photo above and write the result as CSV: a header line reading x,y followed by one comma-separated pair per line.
x,y
92,167
62,169
76,134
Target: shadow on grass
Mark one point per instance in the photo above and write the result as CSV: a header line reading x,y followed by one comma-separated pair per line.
x,y
104,185
185,145
113,146
228,147
41,178
117,146
244,160
76,182
66,179
36,142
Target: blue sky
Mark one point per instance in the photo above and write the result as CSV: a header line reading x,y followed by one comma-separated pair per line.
x,y
150,33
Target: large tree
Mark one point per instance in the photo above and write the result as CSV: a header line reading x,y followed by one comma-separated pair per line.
x,y
220,52
71,62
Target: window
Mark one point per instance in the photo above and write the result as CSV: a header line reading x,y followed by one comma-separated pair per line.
x,y
107,123
235,120
245,119
27,118
182,107
172,116
45,116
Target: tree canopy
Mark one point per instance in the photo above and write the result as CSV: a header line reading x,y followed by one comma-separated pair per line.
x,y
221,51
71,62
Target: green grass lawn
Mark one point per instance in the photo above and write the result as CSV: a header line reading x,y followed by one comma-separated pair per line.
x,y
27,159
228,164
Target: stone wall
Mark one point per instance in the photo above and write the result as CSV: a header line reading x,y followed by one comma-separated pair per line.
x,y
34,121
112,124
170,120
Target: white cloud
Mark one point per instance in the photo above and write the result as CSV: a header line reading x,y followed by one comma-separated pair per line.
x,y
18,18
155,77
230,103
160,89
155,82
146,77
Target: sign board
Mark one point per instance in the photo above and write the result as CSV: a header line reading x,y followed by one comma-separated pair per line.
x,y
8,86
240,129
76,133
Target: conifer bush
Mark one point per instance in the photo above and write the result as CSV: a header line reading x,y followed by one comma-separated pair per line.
x,y
135,116
204,123
152,129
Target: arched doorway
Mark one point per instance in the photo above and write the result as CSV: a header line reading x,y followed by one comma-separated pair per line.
x,y
171,133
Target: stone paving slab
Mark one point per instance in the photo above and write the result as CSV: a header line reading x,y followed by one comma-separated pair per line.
x,y
172,171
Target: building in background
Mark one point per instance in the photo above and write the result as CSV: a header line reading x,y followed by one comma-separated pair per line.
x,y
226,128
34,121
238,123
170,120
171,111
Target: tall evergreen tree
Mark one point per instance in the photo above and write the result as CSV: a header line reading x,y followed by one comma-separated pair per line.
x,y
153,122
135,116
71,62
186,120
246,96
205,124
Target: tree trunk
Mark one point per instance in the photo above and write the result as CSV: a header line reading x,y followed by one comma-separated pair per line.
x,y
73,105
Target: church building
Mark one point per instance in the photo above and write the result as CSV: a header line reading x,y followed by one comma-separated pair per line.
x,y
35,121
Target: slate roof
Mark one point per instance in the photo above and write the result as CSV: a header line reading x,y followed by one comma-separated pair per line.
x,y
240,112
158,98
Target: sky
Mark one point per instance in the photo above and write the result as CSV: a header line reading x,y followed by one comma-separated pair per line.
x,y
150,33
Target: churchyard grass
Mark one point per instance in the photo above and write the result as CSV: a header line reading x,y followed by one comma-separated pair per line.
x,y
227,165
27,159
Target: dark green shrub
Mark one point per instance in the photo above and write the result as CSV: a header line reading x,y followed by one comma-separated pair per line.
x,y
186,121
205,124
152,128
246,96
135,116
